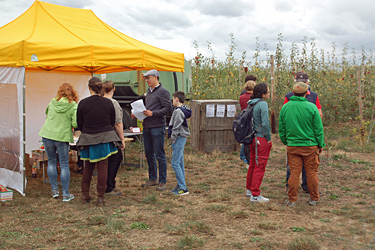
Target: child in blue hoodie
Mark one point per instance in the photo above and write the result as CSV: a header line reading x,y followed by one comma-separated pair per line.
x,y
178,131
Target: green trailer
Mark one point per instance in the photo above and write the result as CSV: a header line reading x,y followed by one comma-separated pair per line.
x,y
130,86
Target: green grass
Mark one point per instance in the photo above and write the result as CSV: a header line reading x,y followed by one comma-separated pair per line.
x,y
189,242
298,229
139,226
303,243
151,199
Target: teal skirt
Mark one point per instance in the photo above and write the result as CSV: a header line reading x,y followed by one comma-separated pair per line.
x,y
99,152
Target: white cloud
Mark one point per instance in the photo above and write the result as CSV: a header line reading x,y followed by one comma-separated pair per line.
x,y
174,25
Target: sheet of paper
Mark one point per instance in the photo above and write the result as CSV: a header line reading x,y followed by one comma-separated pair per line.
x,y
137,109
231,110
210,110
220,110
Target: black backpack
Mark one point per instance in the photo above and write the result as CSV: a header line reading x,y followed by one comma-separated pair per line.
x,y
243,125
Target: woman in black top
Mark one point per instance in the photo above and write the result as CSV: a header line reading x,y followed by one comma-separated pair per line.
x,y
98,140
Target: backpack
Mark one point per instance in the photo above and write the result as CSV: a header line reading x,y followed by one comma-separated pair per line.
x,y
243,125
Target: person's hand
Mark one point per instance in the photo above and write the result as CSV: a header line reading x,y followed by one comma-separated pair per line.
x,y
123,144
133,116
147,112
320,150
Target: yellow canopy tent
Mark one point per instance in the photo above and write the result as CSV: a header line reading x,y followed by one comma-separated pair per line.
x,y
53,37
45,47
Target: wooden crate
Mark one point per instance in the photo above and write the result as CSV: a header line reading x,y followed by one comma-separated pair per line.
x,y
209,134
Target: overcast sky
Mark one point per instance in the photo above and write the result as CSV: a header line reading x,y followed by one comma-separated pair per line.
x,y
174,25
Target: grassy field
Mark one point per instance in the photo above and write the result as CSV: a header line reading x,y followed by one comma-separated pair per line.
x,y
215,215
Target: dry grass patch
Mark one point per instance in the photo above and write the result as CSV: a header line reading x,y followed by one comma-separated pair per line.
x,y
215,215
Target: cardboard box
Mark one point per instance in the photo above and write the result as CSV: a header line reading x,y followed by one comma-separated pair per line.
x,y
6,195
73,156
39,154
39,164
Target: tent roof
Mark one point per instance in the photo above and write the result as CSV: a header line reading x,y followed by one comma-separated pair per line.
x,y
71,39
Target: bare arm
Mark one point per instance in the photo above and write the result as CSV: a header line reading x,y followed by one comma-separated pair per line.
x,y
321,113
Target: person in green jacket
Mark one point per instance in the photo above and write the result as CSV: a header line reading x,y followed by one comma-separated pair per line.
x,y
301,129
57,133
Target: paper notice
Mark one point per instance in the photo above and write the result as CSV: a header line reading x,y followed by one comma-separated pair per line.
x,y
220,110
210,110
231,110
137,109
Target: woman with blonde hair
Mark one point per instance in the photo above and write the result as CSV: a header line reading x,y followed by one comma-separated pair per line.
x,y
57,133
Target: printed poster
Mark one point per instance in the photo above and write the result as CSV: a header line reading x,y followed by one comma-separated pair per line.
x,y
220,110
231,110
210,110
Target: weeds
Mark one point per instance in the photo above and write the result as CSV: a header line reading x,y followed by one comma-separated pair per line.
x,y
151,199
255,239
298,229
190,242
303,243
139,226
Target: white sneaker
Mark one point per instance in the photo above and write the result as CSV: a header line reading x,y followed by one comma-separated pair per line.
x,y
259,198
248,193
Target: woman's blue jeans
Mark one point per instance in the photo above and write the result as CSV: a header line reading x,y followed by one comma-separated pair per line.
x,y
178,161
53,148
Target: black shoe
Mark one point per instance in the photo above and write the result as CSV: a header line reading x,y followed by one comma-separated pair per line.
x,y
79,170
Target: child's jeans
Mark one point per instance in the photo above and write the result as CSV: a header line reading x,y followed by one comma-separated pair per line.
x,y
178,161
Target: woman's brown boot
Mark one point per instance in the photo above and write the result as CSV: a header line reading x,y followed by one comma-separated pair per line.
x,y
85,187
101,200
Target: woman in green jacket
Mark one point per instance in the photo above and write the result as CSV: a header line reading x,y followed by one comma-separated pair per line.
x,y
57,133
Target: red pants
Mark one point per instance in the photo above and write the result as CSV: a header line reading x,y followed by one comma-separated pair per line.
x,y
256,171
297,157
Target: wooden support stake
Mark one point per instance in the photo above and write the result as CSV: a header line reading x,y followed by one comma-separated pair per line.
x,y
273,118
360,104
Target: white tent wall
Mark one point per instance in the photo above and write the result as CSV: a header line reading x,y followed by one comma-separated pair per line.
x,y
11,128
41,87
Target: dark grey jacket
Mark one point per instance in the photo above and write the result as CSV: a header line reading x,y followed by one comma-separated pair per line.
x,y
159,102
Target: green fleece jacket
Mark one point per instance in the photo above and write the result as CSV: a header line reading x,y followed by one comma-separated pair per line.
x,y
300,123
61,117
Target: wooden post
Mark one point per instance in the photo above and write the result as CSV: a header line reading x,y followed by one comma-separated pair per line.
x,y
360,104
273,119
362,76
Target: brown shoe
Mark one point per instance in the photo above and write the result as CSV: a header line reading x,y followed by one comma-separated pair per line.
x,y
101,201
150,183
161,187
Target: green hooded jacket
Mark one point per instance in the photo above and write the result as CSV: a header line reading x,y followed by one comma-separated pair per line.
x,y
61,117
300,123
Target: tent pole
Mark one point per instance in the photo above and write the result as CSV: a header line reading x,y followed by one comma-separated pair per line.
x,y
24,132
183,82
